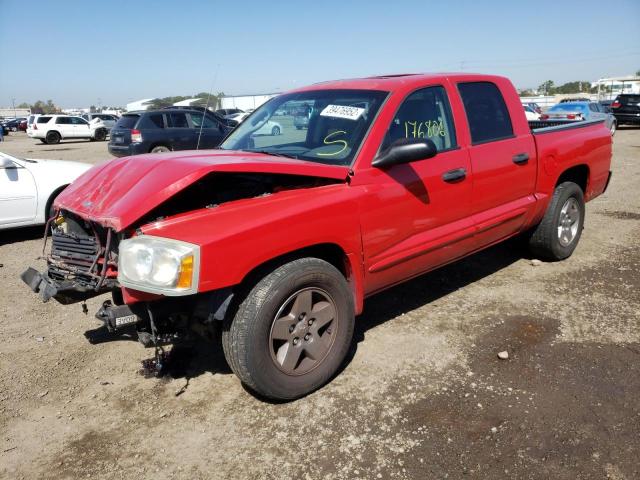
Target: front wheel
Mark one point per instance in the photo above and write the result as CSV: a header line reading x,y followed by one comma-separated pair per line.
x,y
558,234
101,135
275,131
292,330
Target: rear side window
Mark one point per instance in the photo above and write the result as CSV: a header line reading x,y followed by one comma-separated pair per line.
x,y
127,121
63,121
154,121
627,99
486,111
177,120
43,119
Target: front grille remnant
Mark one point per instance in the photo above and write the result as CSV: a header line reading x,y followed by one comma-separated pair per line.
x,y
78,257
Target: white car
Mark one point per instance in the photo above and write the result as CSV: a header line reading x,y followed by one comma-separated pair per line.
x,y
28,188
53,128
531,113
269,128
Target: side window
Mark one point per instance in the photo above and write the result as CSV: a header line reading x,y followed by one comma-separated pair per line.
x,y
424,114
593,107
486,111
156,120
62,121
177,120
196,119
78,121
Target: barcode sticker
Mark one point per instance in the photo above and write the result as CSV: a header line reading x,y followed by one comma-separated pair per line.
x,y
342,111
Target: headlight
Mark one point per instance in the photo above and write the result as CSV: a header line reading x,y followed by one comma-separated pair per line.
x,y
159,265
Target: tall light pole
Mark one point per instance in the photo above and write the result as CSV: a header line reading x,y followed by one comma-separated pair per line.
x,y
13,102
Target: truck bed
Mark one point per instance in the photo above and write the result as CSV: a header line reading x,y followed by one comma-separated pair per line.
x,y
545,126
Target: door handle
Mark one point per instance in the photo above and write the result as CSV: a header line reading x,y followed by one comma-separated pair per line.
x,y
520,158
454,175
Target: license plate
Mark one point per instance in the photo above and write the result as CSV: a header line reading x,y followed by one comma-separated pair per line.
x,y
126,320
118,140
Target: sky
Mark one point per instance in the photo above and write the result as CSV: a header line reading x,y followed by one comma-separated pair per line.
x,y
110,52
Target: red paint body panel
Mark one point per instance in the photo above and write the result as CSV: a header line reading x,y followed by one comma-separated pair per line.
x,y
392,224
119,192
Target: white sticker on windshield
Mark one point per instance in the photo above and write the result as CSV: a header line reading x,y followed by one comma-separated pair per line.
x,y
342,111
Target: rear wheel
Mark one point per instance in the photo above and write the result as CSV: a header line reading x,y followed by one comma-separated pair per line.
x,y
52,138
14,129
160,149
275,131
292,330
558,234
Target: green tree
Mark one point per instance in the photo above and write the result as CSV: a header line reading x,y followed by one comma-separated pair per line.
x,y
547,88
24,105
638,73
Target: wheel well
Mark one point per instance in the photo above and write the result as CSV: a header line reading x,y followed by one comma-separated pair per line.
x,y
329,252
578,175
51,198
159,144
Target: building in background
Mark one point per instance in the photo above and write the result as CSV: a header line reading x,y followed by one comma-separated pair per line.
x,y
10,112
245,102
187,103
139,104
610,87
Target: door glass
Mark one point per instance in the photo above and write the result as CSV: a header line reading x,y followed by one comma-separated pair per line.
x,y
62,121
486,111
196,119
177,120
424,114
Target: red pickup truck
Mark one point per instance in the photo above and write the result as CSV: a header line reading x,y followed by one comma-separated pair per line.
x,y
278,239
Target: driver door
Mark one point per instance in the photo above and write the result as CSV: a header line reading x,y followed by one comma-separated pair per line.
x,y
417,216
18,194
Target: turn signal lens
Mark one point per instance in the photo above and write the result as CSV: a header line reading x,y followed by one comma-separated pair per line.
x,y
186,272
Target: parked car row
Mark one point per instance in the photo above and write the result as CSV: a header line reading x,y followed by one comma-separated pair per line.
x,y
579,111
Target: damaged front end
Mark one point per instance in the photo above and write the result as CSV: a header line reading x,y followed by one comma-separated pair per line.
x,y
81,264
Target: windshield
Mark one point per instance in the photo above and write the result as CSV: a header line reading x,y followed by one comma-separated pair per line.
x,y
325,126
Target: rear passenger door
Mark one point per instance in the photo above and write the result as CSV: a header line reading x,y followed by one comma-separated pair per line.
x,y
210,133
180,134
503,163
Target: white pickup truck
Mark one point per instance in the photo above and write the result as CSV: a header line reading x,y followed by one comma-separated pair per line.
x,y
53,128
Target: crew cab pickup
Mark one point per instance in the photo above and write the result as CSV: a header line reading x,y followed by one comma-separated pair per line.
x,y
278,240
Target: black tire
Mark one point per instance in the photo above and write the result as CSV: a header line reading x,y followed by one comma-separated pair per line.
x,y
247,337
275,131
545,241
160,149
101,135
52,138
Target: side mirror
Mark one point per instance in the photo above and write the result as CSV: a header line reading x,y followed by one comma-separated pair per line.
x,y
6,163
405,150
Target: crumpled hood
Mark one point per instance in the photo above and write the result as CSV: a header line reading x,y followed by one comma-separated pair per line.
x,y
118,192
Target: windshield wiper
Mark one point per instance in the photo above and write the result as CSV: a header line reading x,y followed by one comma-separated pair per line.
x,y
275,154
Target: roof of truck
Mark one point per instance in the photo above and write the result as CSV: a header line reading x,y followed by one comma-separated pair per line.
x,y
396,81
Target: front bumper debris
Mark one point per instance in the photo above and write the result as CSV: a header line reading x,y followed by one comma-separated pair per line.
x,y
65,291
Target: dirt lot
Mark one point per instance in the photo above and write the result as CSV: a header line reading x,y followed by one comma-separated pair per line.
x,y
423,394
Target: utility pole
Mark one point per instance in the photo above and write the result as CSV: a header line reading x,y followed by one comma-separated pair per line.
x,y
13,102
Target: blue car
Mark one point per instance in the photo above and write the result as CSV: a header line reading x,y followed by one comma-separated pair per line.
x,y
578,111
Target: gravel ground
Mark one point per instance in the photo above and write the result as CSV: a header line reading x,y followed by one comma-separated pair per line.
x,y
423,394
